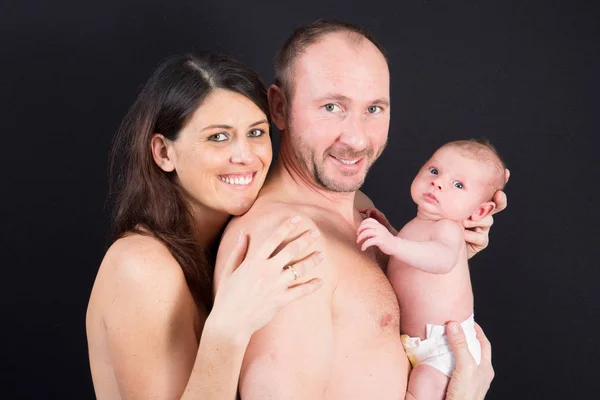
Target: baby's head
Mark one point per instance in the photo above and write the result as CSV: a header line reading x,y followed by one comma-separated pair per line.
x,y
459,181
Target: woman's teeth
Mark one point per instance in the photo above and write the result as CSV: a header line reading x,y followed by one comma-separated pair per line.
x,y
237,180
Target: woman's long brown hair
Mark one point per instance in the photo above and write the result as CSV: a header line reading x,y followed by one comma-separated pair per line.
x,y
145,199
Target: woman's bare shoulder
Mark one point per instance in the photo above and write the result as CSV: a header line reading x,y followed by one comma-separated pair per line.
x,y
142,266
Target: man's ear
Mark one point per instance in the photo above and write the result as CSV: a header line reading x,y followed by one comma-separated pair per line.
x,y
277,106
483,210
160,152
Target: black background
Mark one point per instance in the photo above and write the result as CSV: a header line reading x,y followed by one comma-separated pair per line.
x,y
523,74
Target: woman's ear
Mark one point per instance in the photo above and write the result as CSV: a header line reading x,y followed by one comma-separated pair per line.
x,y
483,211
160,152
277,106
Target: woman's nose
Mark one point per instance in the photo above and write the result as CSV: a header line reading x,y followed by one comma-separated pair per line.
x,y
241,152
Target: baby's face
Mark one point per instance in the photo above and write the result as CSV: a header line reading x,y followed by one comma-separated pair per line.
x,y
451,185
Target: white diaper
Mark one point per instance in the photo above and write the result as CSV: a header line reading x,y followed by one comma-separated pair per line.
x,y
435,349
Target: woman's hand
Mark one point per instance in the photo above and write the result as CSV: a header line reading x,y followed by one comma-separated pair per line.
x,y
249,297
469,381
477,232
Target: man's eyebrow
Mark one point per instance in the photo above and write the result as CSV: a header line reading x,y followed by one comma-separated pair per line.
x,y
220,126
333,96
382,101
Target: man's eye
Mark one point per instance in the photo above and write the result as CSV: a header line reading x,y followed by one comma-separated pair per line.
x,y
458,185
332,107
256,133
218,137
433,171
373,109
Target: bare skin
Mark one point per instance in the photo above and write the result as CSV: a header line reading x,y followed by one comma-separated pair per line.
x,y
342,342
148,340
147,337
428,265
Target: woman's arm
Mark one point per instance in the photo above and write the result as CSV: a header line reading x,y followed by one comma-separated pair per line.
x,y
152,321
218,362
251,291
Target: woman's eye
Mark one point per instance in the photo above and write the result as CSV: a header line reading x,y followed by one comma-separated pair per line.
x,y
374,109
433,171
458,185
332,107
256,133
218,137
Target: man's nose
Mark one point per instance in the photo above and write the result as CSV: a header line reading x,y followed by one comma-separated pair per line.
x,y
354,135
241,152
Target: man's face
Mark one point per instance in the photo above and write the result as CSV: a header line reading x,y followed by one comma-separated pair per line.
x,y
339,113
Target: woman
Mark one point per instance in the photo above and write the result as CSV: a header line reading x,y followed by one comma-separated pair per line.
x,y
193,150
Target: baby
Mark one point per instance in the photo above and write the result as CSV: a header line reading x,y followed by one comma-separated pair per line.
x,y
428,258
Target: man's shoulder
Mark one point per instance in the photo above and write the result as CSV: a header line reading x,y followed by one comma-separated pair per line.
x,y
361,200
264,216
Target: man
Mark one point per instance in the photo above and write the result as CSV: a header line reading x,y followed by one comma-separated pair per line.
x,y
331,103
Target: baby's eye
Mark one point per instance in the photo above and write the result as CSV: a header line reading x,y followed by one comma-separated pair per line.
x,y
256,133
218,137
332,107
458,185
374,109
433,170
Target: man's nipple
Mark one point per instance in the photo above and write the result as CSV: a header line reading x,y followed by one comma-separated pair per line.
x,y
385,320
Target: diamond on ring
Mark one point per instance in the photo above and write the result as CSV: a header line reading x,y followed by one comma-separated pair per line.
x,y
293,271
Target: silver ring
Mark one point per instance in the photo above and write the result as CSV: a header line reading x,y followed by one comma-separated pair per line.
x,y
293,271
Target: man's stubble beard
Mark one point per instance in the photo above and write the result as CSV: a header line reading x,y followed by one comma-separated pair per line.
x,y
307,159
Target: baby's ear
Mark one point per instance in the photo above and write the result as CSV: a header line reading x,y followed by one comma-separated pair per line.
x,y
483,210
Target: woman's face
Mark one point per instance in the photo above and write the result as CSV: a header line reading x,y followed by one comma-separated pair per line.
x,y
222,155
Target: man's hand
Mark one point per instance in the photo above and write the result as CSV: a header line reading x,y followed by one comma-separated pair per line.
x,y
469,381
374,233
477,232
379,217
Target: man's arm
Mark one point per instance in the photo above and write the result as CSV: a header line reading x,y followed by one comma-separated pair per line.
x,y
290,358
469,381
477,232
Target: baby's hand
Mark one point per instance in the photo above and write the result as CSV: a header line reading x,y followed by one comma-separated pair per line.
x,y
379,217
374,233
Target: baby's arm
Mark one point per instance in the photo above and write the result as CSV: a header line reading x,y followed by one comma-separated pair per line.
x,y
436,256
379,217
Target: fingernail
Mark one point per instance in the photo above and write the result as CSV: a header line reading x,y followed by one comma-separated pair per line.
x,y
314,233
239,236
453,327
295,219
